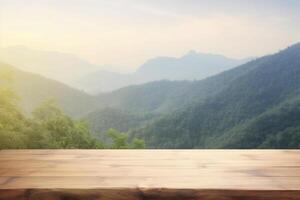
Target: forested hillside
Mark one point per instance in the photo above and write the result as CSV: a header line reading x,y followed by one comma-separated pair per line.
x,y
34,89
48,126
166,95
256,107
122,120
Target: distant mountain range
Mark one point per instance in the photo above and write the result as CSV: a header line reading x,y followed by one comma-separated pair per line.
x,y
254,105
83,75
192,66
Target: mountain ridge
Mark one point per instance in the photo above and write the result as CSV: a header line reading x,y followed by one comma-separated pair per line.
x,y
274,80
191,66
79,73
33,89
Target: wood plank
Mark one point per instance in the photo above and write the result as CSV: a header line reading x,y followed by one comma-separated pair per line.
x,y
145,194
149,174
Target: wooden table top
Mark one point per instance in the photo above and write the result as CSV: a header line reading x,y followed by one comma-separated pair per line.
x,y
151,170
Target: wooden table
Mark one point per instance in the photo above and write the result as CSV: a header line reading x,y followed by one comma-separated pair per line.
x,y
149,174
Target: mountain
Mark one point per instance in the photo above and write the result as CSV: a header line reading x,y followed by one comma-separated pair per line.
x,y
33,89
192,66
76,72
256,107
163,96
103,81
160,97
62,67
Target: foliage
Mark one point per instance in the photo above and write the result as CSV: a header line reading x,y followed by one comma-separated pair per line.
x,y
49,127
120,141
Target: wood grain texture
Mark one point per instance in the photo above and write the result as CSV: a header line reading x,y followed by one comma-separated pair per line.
x,y
150,174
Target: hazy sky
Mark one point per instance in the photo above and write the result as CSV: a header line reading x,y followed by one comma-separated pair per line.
x,y
125,33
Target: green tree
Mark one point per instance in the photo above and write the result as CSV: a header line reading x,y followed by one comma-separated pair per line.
x,y
62,130
12,122
121,141
138,144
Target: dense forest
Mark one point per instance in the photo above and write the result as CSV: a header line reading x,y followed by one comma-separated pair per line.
x,y
48,126
255,105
